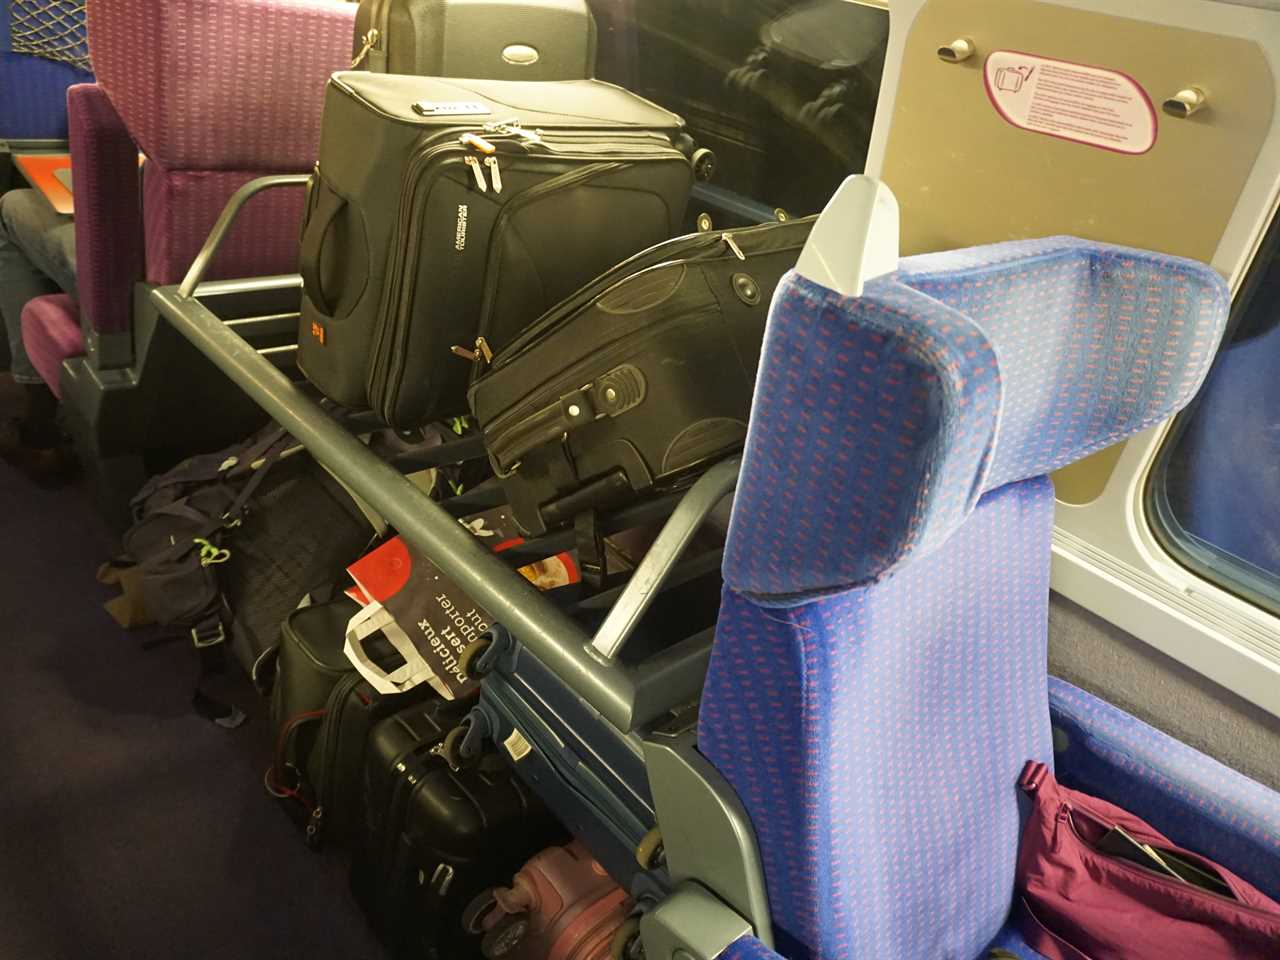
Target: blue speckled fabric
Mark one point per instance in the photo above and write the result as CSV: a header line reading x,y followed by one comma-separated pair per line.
x,y
33,91
876,739
878,677
881,420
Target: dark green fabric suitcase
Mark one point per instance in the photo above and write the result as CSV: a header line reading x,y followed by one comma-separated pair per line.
x,y
468,209
638,382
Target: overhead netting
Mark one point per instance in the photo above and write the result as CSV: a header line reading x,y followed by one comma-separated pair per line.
x,y
53,29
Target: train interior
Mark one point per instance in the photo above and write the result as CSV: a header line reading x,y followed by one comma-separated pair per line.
x,y
1002,528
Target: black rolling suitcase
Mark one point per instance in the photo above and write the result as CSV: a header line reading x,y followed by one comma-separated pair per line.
x,y
435,838
636,382
322,712
453,221
502,40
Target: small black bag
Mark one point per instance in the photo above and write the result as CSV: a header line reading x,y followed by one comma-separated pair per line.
x,y
322,713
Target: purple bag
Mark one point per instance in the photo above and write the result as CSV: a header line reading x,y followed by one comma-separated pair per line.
x,y
1083,898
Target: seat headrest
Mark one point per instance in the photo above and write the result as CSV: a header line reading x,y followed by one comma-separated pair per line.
x,y
880,420
221,84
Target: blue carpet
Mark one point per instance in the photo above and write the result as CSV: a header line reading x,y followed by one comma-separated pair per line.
x,y
129,827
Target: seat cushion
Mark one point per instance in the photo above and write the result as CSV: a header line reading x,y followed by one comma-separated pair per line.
x,y
51,334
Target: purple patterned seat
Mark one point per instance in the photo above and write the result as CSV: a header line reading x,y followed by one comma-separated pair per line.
x,y
214,93
51,333
878,677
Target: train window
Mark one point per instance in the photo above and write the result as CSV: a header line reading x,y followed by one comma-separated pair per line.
x,y
782,91
1212,496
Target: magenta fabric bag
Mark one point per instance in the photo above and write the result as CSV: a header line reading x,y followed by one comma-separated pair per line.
x,y
1079,903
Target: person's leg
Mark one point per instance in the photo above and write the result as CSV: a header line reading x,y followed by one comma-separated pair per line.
x,y
37,251
37,257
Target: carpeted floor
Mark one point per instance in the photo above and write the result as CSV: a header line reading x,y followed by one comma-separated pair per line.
x,y
129,827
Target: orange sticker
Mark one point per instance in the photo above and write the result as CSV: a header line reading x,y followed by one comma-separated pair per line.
x,y
1071,101
317,331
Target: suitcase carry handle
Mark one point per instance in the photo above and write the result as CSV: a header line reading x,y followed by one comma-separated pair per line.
x,y
312,247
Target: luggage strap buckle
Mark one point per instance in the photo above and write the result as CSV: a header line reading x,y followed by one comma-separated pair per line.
x,y
203,637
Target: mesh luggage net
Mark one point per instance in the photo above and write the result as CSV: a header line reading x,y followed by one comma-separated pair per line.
x,y
53,29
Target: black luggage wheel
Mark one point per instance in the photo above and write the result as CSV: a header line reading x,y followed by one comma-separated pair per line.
x,y
649,852
470,656
473,915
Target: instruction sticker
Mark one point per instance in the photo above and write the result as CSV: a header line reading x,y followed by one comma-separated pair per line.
x,y
1071,101
517,746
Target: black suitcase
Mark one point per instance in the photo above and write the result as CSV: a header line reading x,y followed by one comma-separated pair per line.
x,y
452,221
435,838
639,380
322,712
503,40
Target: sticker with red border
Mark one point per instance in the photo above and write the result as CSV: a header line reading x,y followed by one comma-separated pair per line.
x,y
1072,101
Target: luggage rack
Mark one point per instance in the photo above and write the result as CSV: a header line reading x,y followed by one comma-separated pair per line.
x,y
628,697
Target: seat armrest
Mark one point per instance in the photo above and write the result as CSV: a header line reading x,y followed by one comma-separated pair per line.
x,y
108,217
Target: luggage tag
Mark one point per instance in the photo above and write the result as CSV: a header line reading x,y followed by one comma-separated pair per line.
x,y
374,619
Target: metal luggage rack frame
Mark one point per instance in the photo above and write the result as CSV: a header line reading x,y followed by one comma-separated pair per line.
x,y
628,697
711,852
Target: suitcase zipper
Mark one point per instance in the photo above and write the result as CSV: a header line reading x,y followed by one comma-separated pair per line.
x,y
694,247
565,181
388,350
327,746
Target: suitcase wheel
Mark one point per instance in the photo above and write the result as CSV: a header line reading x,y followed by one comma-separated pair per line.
x,y
505,936
451,749
478,910
704,164
649,852
626,944
468,664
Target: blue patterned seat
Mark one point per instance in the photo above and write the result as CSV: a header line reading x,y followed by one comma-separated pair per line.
x,y
878,678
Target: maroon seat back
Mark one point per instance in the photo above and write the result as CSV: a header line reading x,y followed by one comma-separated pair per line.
x,y
214,93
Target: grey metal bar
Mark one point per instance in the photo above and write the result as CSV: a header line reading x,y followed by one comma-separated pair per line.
x,y
547,632
647,581
227,217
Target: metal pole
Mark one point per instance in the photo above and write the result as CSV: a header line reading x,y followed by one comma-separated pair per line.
x,y
547,632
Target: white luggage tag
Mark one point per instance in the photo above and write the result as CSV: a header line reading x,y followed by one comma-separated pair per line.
x,y
856,238
371,620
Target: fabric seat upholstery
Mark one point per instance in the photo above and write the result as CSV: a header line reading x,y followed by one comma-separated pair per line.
x,y
878,677
51,333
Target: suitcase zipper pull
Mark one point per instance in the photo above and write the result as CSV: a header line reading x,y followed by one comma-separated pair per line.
x,y
733,245
370,40
483,353
487,149
495,175
478,173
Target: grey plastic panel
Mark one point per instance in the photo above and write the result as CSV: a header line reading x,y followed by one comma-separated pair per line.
x,y
690,924
706,834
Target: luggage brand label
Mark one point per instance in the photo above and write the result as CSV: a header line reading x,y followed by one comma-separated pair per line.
x,y
460,231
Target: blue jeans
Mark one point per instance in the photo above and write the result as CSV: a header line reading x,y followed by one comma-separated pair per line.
x,y
37,257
